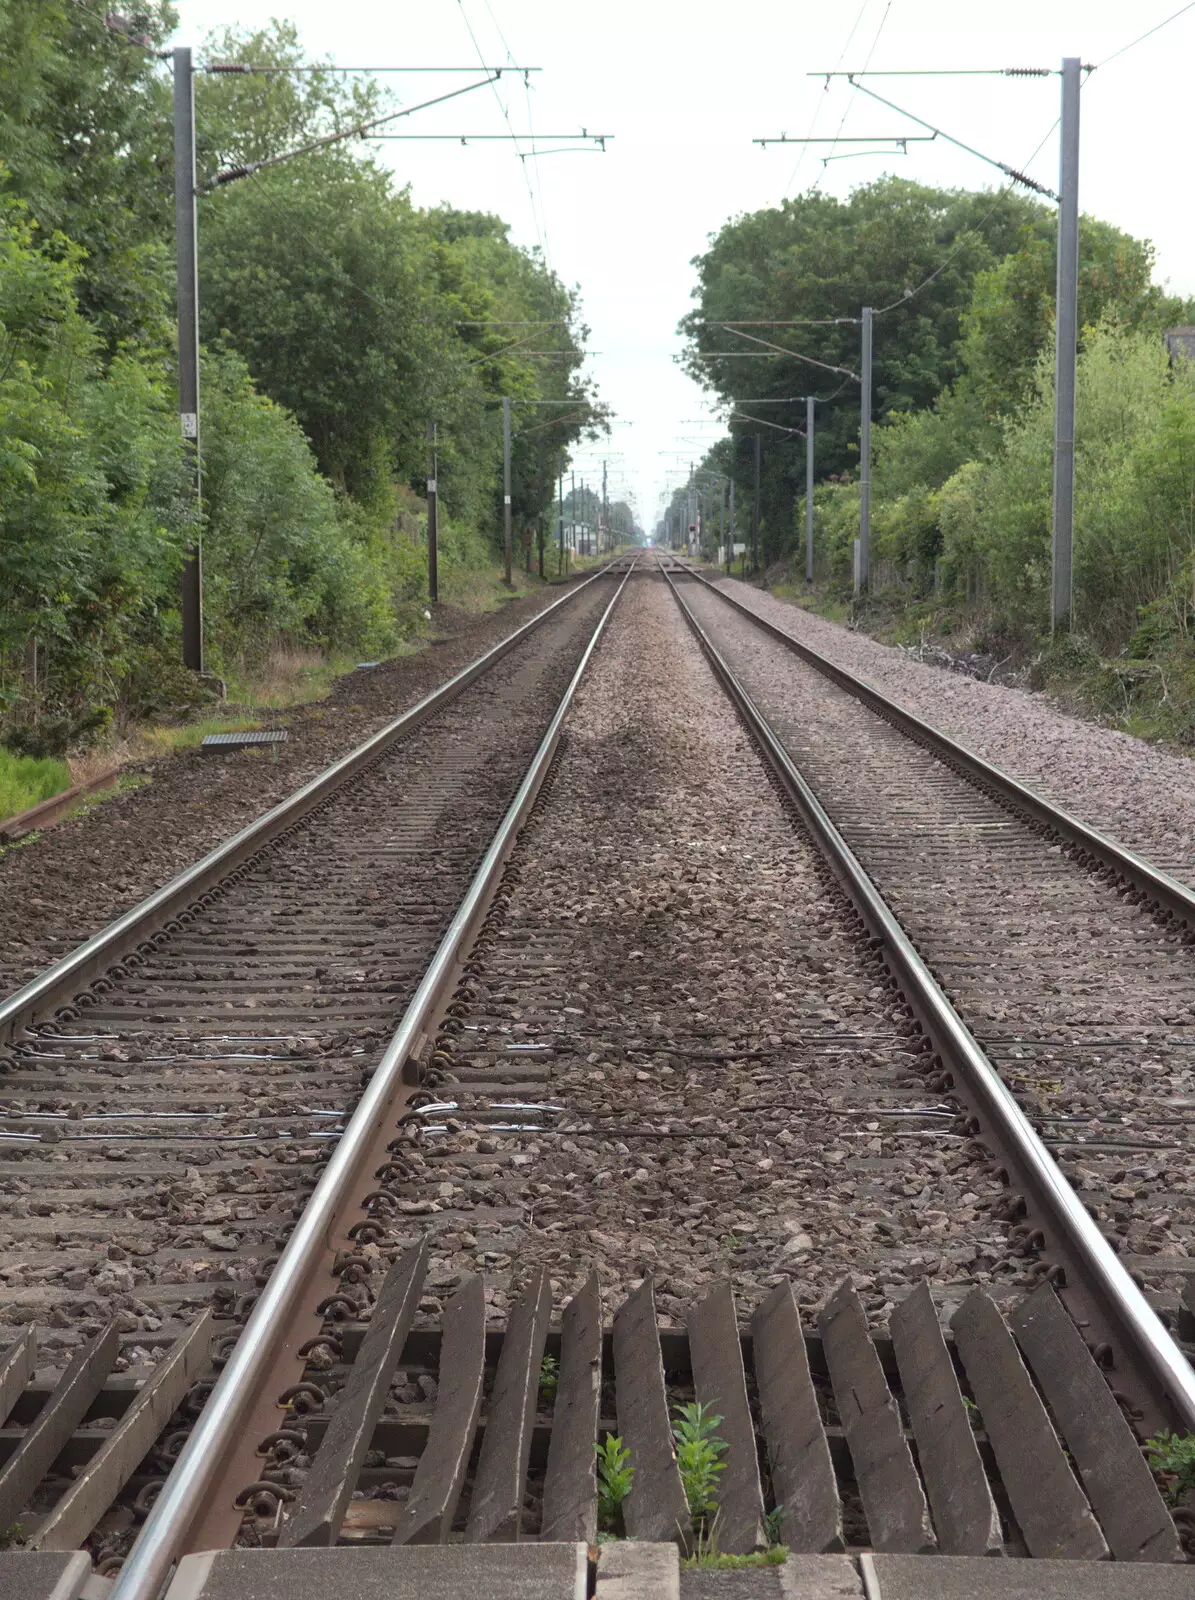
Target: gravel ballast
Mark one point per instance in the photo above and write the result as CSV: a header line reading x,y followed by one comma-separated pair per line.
x,y
1140,794
1084,1000
65,885
671,966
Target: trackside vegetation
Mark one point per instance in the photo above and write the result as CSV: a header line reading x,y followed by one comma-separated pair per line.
x,y
963,435
338,320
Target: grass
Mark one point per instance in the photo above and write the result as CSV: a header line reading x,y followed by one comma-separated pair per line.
x,y
163,741
287,677
711,1559
27,780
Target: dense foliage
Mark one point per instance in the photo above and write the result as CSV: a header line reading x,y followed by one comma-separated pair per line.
x,y
963,435
338,321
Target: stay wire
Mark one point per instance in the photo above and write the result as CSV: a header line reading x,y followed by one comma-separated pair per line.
x,y
1157,28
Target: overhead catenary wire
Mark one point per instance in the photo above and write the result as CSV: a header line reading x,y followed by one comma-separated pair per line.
x,y
536,208
817,111
360,131
850,102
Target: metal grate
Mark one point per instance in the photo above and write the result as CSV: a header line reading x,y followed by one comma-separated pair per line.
x,y
242,741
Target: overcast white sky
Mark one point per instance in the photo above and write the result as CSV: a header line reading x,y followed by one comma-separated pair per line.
x,y
685,85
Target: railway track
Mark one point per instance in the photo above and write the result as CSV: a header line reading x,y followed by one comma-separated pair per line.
x,y
1068,957
665,1048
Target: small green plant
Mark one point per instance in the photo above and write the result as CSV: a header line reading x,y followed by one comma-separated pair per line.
x,y
772,1527
712,1559
615,1476
973,1414
1172,1457
699,1453
549,1377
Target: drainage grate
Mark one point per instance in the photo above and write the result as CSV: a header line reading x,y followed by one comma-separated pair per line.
x,y
242,741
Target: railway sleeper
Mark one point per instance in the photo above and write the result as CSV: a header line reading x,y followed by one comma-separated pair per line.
x,y
994,1434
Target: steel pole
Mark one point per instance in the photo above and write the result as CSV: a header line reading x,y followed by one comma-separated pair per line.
x,y
560,505
730,541
506,531
755,507
809,404
863,574
540,531
1066,329
185,223
433,514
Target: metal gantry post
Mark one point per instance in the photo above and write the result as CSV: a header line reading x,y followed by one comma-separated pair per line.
x,y
755,507
188,343
506,530
863,564
1066,326
573,498
560,503
605,507
730,541
540,470
433,518
809,405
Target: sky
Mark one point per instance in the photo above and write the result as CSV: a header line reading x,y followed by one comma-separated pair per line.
x,y
684,86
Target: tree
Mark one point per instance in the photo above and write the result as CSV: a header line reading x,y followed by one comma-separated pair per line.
x,y
818,260
85,141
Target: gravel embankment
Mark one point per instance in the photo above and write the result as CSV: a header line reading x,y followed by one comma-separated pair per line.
x,y
734,1077
1139,794
64,886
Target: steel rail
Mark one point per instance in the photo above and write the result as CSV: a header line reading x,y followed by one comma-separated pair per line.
x,y
1115,1291
159,1542
66,977
1149,880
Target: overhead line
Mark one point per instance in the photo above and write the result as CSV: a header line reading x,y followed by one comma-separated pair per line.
x,y
1124,49
1009,172
328,66
246,169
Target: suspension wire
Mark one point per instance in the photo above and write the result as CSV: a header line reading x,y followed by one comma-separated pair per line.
x,y
1157,28
361,131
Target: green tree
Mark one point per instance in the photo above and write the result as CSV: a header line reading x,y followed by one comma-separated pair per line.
x,y
85,141
818,260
